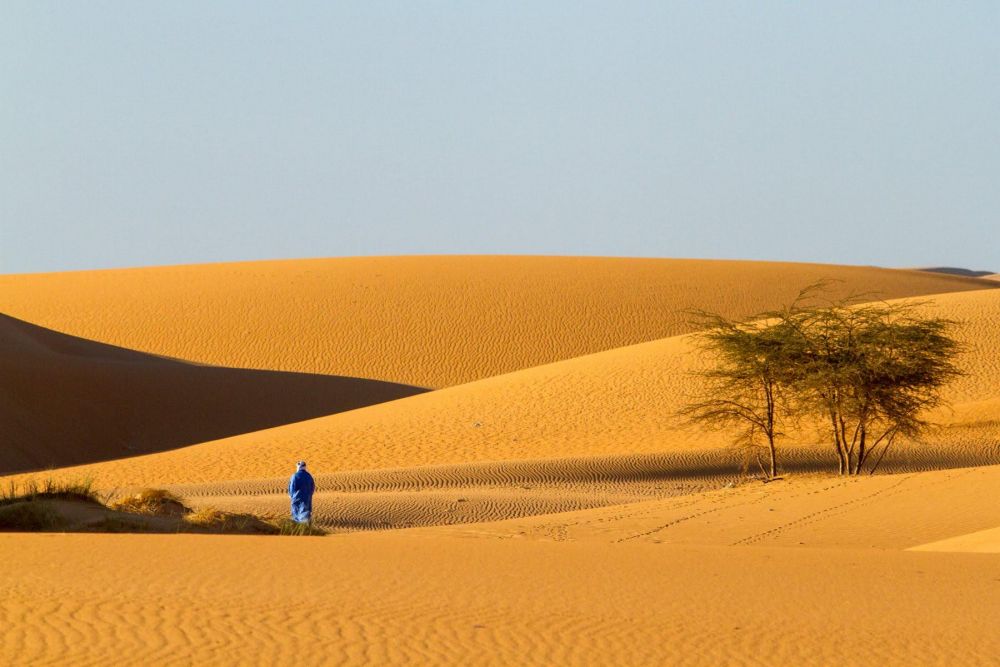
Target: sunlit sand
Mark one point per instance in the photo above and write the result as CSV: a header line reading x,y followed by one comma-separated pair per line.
x,y
500,467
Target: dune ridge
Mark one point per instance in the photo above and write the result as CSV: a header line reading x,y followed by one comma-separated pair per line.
x,y
702,579
429,321
475,493
980,542
544,506
68,400
801,511
620,402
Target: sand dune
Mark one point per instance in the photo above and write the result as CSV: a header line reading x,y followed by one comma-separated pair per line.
x,y
735,576
472,493
423,321
67,400
814,511
620,402
555,510
980,542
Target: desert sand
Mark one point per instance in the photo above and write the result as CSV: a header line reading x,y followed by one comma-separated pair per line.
x,y
422,321
78,400
542,505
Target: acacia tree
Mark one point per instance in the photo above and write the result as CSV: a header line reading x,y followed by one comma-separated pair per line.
x,y
746,388
871,372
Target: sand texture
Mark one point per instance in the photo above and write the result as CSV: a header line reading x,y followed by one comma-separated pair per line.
x,y
422,321
615,403
702,581
980,542
499,463
73,400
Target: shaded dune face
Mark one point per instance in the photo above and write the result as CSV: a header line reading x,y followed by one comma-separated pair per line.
x,y
66,400
422,321
618,403
557,511
73,401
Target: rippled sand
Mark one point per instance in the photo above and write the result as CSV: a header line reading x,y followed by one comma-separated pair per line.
x,y
543,505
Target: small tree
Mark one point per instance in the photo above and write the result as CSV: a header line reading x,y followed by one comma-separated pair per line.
x,y
746,388
871,372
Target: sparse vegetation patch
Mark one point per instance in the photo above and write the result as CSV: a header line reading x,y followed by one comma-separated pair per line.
x,y
867,372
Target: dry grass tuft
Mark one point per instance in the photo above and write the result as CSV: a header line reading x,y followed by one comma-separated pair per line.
x,y
217,521
206,516
154,502
291,528
31,491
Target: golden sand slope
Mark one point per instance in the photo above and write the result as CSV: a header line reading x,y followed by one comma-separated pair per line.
x,y
616,403
474,493
399,599
67,400
775,574
980,542
900,511
424,321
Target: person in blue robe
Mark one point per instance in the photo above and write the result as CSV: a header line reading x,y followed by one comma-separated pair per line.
x,y
300,490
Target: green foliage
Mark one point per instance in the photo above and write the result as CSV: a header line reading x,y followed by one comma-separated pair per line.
x,y
869,371
747,388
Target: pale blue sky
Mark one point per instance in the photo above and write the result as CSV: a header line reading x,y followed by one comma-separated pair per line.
x,y
134,133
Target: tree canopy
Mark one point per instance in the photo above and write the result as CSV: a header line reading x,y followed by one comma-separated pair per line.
x,y
869,371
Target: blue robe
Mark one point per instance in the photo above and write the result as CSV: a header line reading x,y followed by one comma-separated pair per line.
x,y
300,489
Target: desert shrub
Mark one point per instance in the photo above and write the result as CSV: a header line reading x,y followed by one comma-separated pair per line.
x,y
155,502
217,521
31,490
292,528
206,516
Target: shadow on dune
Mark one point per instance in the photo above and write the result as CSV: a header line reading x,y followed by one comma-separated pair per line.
x,y
673,470
956,271
390,499
66,400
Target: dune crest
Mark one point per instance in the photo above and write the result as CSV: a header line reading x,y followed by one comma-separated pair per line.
x,y
421,321
980,542
544,507
616,403
70,401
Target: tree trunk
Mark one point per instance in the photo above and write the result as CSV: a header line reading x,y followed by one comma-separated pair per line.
x,y
841,454
861,452
774,457
881,456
